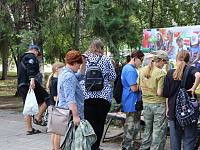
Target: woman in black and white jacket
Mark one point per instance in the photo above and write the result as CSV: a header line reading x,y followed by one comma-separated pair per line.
x,y
97,103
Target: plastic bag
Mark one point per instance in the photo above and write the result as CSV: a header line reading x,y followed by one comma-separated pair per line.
x,y
31,105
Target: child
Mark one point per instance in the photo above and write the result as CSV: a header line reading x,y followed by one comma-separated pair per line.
x,y
195,51
52,84
179,42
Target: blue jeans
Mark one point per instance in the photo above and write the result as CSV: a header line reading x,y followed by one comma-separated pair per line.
x,y
189,134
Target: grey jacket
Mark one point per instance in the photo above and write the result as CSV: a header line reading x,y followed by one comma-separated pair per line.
x,y
81,138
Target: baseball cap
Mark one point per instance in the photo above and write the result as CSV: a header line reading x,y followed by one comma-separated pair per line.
x,y
35,47
163,55
194,39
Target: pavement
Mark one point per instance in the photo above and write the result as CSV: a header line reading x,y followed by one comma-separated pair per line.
x,y
13,135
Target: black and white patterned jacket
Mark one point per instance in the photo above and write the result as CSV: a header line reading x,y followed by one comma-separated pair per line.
x,y
108,73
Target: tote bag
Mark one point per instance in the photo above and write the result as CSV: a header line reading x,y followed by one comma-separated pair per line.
x,y
58,118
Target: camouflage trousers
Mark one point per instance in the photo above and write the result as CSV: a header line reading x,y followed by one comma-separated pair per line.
x,y
155,133
131,129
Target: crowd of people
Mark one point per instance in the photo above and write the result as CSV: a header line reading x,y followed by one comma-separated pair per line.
x,y
157,90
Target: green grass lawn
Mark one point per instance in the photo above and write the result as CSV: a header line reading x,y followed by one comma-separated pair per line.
x,y
9,86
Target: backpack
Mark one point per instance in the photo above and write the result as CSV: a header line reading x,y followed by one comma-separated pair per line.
x,y
94,78
185,112
118,89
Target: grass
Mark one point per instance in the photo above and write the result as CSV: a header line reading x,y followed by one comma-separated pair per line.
x,y
10,73
9,86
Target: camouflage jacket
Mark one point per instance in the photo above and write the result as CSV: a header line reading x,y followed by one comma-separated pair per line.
x,y
81,138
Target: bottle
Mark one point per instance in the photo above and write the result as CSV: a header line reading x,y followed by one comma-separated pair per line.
x,y
194,101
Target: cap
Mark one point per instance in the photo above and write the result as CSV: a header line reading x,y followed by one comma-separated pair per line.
x,y
163,55
35,47
194,39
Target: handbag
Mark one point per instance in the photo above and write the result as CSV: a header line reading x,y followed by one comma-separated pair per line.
x,y
31,105
185,112
58,118
139,103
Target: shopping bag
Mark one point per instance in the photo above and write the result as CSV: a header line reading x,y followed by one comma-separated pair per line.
x,y
31,105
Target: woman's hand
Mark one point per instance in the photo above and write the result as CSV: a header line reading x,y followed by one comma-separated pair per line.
x,y
76,121
192,91
167,112
84,58
76,118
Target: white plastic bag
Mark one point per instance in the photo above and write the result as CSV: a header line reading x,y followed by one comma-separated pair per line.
x,y
31,105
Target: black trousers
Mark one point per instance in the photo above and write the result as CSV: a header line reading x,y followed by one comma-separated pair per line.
x,y
40,93
95,111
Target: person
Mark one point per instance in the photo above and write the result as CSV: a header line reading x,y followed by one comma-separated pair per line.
x,y
113,62
179,42
171,45
151,80
129,97
195,51
160,42
52,84
70,94
27,70
98,103
171,87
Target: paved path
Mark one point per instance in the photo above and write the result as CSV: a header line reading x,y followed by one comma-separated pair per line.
x,y
13,135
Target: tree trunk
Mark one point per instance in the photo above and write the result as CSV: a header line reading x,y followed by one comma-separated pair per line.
x,y
5,62
151,15
77,26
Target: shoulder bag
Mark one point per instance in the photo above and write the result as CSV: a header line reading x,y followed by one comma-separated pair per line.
x,y
58,118
139,103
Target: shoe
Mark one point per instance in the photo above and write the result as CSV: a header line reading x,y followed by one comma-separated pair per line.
x,y
41,123
32,132
122,148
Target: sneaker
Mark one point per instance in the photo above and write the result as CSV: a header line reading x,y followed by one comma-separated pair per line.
x,y
122,148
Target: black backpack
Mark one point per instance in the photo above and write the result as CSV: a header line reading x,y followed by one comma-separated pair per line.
x,y
94,78
118,88
185,112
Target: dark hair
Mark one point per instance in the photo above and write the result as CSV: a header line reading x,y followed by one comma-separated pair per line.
x,y
128,59
161,42
73,57
137,53
95,48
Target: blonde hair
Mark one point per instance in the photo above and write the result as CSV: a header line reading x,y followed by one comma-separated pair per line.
x,y
184,57
151,67
95,48
54,66
172,35
113,63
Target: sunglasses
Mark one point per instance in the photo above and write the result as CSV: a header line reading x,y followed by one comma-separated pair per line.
x,y
141,59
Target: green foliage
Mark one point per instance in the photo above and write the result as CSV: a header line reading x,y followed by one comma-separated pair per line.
x,y
67,25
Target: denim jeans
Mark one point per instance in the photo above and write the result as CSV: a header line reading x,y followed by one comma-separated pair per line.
x,y
189,134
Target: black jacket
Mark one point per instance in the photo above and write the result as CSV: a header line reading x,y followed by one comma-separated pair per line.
x,y
28,70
